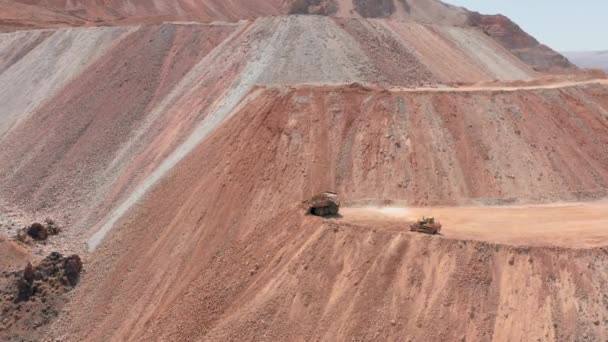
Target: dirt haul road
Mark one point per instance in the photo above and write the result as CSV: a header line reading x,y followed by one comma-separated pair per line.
x,y
551,85
573,225
477,88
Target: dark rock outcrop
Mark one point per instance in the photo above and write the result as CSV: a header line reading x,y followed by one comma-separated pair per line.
x,y
72,266
33,297
52,271
37,231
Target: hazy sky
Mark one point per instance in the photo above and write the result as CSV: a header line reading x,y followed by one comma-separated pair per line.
x,y
563,25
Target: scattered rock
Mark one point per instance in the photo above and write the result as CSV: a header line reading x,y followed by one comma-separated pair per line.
x,y
28,273
25,284
54,269
38,231
32,297
511,261
51,227
72,267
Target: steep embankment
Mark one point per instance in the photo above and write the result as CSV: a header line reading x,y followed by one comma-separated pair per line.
x,y
264,270
56,13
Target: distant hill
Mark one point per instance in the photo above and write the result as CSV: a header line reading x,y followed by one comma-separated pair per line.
x,y
589,59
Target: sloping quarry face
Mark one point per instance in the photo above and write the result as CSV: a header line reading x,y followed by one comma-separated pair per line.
x,y
176,155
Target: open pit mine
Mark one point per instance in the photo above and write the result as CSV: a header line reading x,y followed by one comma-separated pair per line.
x,y
159,162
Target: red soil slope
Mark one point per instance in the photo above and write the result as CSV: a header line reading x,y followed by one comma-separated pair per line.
x,y
218,251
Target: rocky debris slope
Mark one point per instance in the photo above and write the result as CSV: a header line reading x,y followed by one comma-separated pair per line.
x,y
33,297
46,13
294,276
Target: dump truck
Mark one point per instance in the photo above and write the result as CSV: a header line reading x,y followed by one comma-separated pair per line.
x,y
426,225
324,205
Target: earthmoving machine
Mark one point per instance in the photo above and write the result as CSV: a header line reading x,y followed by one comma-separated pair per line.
x,y
324,205
426,225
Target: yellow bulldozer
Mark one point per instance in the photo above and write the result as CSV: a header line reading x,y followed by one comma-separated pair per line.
x,y
426,225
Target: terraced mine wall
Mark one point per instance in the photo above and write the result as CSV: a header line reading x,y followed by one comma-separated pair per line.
x,y
150,94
